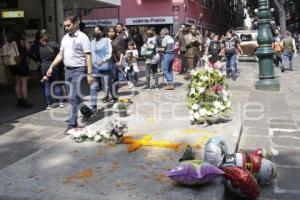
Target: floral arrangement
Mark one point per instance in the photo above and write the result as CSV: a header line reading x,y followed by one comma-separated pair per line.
x,y
208,96
112,133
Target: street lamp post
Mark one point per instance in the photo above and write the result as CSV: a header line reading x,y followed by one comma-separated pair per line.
x,y
265,51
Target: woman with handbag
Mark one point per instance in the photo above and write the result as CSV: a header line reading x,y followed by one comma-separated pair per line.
x,y
19,67
101,49
45,52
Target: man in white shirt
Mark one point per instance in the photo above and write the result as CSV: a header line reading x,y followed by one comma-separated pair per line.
x,y
75,52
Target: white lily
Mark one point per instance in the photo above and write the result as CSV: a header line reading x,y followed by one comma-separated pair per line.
x,y
197,115
202,112
201,89
209,113
195,107
97,138
217,104
192,118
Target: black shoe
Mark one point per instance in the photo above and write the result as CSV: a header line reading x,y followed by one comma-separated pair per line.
x,y
233,76
282,70
154,87
69,128
26,104
146,87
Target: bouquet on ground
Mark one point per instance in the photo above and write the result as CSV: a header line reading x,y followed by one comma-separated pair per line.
x,y
208,96
111,133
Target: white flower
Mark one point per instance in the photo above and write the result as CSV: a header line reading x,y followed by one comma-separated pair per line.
x,y
193,72
222,107
215,111
104,133
225,93
225,99
193,91
195,107
202,112
217,104
76,134
192,118
209,113
197,115
191,112
201,89
228,105
203,78
97,138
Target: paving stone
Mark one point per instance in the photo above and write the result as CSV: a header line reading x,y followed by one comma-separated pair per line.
x,y
282,121
254,142
255,131
286,142
284,126
286,134
287,156
288,178
287,196
256,123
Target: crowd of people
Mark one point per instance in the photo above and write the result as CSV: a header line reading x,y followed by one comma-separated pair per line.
x,y
111,58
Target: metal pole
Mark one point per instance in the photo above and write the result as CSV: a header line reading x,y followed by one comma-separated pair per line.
x,y
265,51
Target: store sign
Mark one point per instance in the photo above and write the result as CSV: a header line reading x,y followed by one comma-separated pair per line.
x,y
149,20
102,22
190,21
13,14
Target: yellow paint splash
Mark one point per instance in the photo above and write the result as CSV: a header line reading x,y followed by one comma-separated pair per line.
x,y
135,144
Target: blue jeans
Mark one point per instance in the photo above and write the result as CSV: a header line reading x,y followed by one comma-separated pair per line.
x,y
167,64
287,57
231,64
57,91
97,85
73,79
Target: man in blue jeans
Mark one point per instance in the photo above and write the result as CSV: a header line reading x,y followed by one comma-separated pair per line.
x,y
289,50
168,57
75,51
231,45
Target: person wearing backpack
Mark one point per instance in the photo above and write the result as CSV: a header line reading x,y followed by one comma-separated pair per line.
x,y
289,50
231,45
152,60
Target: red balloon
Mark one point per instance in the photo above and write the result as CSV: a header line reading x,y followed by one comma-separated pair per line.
x,y
243,181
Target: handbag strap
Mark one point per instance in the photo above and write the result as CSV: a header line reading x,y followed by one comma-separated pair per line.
x,y
13,45
50,49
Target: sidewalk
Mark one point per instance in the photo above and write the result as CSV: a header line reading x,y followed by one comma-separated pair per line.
x,y
111,172
276,125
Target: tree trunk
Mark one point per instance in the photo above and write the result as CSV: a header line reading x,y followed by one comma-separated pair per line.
x,y
282,15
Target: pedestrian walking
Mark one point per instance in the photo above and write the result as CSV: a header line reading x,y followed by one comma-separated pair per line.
x,y
167,57
277,48
153,59
193,42
44,52
182,46
75,52
101,49
232,46
289,50
214,52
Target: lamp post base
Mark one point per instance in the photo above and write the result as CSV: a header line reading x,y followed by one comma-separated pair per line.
x,y
267,85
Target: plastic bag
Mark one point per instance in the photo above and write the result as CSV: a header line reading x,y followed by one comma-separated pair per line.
x,y
241,182
177,65
194,173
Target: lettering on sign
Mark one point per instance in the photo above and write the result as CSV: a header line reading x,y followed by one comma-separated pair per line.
x,y
149,20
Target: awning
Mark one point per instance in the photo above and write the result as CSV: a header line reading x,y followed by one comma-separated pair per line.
x,y
88,4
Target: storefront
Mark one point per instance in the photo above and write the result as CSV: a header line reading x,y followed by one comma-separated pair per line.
x,y
143,23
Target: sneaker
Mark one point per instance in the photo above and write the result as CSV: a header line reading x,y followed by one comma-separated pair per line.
x,y
282,70
169,87
130,85
26,104
68,130
48,107
233,76
61,105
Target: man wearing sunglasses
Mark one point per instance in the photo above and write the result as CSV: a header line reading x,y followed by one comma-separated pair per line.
x,y
75,52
